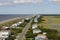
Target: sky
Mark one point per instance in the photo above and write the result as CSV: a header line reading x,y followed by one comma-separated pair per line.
x,y
29,6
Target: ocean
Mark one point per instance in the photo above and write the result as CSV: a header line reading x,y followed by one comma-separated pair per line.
x,y
11,16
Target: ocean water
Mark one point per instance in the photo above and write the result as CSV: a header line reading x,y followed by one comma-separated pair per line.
x,y
10,16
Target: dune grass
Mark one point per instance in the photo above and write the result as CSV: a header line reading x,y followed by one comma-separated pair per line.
x,y
51,22
10,22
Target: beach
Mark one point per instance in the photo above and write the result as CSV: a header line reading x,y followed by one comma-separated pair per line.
x,y
10,20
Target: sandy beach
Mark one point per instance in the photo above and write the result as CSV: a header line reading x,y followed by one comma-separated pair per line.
x,y
14,19
10,20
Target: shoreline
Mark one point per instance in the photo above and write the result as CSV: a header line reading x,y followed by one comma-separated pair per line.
x,y
13,19
10,19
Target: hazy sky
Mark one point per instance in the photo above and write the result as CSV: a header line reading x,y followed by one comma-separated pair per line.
x,y
29,6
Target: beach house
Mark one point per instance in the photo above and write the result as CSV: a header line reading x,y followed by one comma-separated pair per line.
x,y
36,31
35,20
34,26
14,25
44,33
27,18
4,27
38,16
4,34
41,37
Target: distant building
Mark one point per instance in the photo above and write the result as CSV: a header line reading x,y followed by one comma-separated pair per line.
x,y
14,25
22,20
44,33
38,16
41,37
35,20
18,23
34,26
4,27
36,31
4,34
27,18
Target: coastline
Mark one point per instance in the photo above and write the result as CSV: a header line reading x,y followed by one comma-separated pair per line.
x,y
10,19
14,19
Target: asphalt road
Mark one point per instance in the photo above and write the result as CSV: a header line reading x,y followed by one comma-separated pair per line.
x,y
21,37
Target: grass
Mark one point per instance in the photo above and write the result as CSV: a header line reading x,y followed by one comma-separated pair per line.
x,y
9,23
14,31
51,22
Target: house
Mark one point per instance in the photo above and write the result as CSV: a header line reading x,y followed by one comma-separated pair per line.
x,y
15,24
4,27
44,33
35,20
41,37
19,22
34,26
36,31
4,34
27,18
22,20
38,16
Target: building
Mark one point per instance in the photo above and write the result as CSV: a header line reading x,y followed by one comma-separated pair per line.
x,y
34,26
15,24
44,33
4,34
23,21
36,31
35,20
38,16
27,18
19,22
41,37
4,27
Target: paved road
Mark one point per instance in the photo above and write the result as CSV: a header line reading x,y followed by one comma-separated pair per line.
x,y
24,31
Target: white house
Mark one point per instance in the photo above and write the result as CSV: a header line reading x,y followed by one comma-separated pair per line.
x,y
15,25
22,20
4,34
27,18
41,37
4,27
44,33
38,16
34,26
35,20
19,22
36,31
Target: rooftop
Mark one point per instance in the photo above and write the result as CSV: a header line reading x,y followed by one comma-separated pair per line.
x,y
41,37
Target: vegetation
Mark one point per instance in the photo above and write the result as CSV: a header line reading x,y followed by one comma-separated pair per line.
x,y
29,35
14,31
52,34
10,37
9,23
